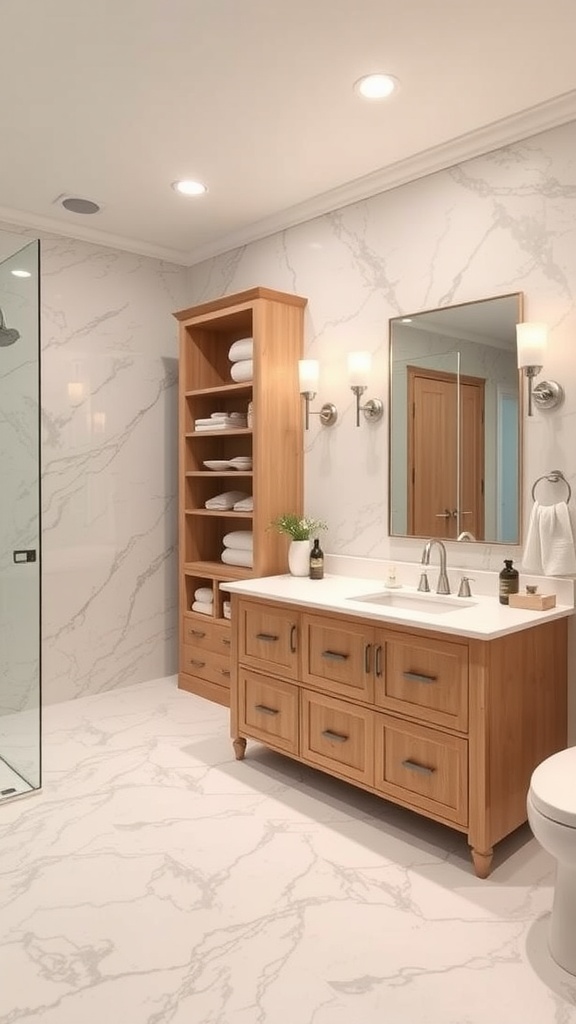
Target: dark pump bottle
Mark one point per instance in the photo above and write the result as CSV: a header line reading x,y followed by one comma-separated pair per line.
x,y
508,581
316,561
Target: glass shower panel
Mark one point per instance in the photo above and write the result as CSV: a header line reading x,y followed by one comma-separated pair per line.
x,y
20,726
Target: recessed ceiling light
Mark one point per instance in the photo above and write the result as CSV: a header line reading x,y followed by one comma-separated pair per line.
x,y
77,205
376,87
189,188
21,273
406,320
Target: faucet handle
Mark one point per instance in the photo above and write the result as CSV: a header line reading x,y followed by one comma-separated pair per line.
x,y
464,589
424,586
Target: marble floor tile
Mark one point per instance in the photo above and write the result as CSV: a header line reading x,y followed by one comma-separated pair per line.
x,y
157,880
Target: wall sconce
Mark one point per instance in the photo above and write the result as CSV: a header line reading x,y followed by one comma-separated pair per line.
x,y
308,374
531,341
359,367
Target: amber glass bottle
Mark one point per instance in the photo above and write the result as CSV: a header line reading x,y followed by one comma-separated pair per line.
x,y
509,581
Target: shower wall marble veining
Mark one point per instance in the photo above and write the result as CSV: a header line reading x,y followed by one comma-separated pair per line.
x,y
109,408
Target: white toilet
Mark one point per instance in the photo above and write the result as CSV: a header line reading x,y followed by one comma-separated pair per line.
x,y
552,815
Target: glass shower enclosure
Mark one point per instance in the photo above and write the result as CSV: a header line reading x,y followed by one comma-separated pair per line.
x,y
20,705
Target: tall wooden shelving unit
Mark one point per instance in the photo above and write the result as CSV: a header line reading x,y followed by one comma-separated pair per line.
x,y
274,320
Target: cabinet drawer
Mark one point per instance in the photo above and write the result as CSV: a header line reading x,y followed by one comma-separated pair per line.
x,y
268,710
206,636
207,665
337,736
268,638
337,656
425,679
422,767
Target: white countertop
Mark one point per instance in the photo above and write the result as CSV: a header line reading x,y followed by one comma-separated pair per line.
x,y
480,616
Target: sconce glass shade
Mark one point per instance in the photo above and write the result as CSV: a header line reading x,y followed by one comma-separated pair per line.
x,y
308,375
359,368
531,341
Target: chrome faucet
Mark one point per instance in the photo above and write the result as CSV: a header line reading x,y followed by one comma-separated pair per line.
x,y
443,586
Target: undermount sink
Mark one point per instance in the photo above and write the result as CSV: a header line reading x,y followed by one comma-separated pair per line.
x,y
435,604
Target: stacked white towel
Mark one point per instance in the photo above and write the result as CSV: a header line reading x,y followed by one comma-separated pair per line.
x,y
221,421
240,355
225,501
244,505
203,601
238,548
549,547
227,609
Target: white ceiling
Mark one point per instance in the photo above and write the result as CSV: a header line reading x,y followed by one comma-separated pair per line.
x,y
113,100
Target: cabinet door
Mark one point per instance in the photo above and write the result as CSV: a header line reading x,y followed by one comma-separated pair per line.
x,y
268,710
422,768
268,638
337,656
337,736
424,679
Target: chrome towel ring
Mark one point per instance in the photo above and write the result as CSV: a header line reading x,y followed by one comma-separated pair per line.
x,y
555,476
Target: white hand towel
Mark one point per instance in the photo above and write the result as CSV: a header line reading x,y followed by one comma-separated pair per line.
x,y
241,371
204,609
246,505
225,416
234,556
204,594
226,500
549,544
241,539
241,349
227,609
218,423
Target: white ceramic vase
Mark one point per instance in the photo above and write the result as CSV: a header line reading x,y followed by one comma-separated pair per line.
x,y
299,557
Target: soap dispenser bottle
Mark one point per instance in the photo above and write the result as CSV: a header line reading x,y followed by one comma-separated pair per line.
x,y
316,561
509,581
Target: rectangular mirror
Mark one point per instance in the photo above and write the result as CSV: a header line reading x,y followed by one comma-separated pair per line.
x,y
455,423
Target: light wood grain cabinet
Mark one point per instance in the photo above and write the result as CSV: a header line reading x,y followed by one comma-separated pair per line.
x,y
450,727
271,430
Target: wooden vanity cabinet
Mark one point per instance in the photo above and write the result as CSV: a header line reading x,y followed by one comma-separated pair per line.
x,y
448,726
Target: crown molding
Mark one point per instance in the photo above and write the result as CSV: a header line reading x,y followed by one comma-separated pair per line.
x,y
506,131
552,114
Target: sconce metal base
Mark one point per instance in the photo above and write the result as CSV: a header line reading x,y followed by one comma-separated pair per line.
x,y
373,409
328,414
547,394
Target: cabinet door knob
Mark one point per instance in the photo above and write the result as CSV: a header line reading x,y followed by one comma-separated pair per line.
x,y
293,639
378,660
196,633
269,638
367,652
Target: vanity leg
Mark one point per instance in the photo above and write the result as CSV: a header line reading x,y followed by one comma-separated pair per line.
x,y
239,745
482,862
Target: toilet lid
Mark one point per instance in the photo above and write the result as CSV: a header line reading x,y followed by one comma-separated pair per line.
x,y
553,787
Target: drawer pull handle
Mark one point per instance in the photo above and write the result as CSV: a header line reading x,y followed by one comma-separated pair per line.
x,y
337,737
197,633
270,638
378,660
415,767
225,671
197,664
293,639
367,651
335,656
415,677
266,710
226,641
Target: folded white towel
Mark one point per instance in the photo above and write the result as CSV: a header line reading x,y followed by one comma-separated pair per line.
x,y
246,505
227,609
204,594
241,349
241,539
241,371
233,556
549,547
204,609
226,500
225,416
216,422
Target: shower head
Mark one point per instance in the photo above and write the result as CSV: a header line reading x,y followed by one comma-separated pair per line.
x,y
7,335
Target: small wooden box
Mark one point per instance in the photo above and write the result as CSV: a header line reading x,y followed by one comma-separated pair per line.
x,y
536,602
